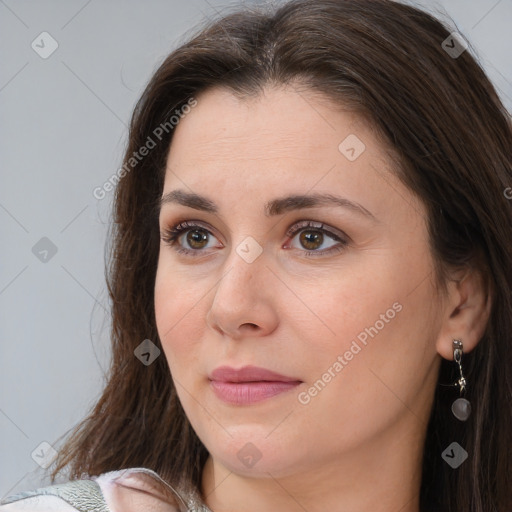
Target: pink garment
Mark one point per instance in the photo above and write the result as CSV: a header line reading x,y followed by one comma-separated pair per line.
x,y
139,489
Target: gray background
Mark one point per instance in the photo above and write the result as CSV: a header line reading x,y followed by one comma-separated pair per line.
x,y
62,133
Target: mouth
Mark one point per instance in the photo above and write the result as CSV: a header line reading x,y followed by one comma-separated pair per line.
x,y
249,384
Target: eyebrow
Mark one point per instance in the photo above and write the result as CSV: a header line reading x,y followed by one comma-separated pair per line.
x,y
277,206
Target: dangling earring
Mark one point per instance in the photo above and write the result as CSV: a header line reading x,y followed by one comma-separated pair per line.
x,y
461,408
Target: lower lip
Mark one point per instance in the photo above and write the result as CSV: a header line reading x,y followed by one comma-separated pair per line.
x,y
243,393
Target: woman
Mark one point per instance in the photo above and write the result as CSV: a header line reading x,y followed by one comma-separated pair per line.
x,y
311,272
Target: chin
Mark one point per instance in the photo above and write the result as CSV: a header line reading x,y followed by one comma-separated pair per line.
x,y
249,450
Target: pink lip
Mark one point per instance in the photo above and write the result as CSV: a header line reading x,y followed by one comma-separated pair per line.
x,y
249,384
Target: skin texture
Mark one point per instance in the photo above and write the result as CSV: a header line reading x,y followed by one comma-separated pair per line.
x,y
356,445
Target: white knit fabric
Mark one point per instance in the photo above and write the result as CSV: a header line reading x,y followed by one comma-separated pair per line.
x,y
127,490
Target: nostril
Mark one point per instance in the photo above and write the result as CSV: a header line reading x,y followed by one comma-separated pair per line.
x,y
250,326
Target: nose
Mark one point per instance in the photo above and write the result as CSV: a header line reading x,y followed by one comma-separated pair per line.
x,y
244,303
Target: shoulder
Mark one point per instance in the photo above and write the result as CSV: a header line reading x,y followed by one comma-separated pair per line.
x,y
126,490
138,489
43,503
72,496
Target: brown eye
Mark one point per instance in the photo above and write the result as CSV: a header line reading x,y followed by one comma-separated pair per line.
x,y
189,238
315,240
311,239
197,238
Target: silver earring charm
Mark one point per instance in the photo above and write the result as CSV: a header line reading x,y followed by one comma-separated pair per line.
x,y
461,408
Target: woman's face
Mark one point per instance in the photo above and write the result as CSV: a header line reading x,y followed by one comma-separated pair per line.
x,y
303,255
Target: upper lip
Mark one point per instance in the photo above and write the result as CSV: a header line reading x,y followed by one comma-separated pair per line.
x,y
248,374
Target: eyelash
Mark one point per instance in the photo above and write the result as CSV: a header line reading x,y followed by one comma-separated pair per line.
x,y
170,237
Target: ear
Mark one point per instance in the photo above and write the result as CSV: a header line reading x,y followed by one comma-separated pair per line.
x,y
467,311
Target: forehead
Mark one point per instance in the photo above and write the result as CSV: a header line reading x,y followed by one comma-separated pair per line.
x,y
281,141
281,125
282,122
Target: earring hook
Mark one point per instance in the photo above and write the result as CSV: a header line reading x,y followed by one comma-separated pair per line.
x,y
457,357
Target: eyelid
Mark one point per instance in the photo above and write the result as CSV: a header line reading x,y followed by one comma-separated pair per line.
x,y
188,224
176,229
172,234
292,230
321,226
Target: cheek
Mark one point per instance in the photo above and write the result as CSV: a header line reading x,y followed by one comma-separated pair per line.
x,y
179,309
375,317
383,347
334,307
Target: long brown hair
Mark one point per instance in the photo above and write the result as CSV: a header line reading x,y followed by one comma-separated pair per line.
x,y
439,115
